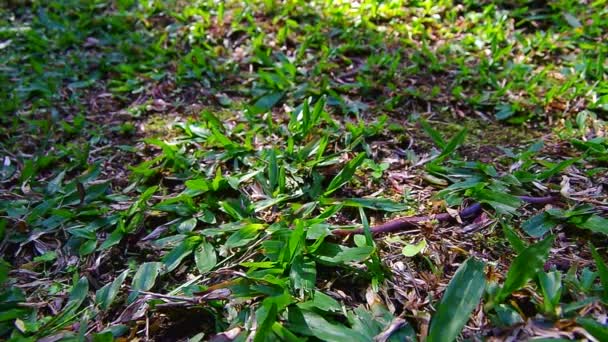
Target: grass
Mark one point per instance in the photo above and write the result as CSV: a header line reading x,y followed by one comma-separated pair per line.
x,y
190,170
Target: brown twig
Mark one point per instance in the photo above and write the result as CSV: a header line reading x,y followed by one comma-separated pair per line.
x,y
412,221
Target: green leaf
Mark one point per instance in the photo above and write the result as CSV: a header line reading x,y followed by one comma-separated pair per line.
x,y
55,184
434,180
372,322
596,224
87,247
205,257
322,302
539,225
459,300
266,102
207,216
221,139
273,169
551,288
113,239
434,134
303,274
144,278
105,295
516,242
410,250
593,327
232,208
116,330
369,240
504,111
572,20
186,226
602,270
211,119
219,181
524,267
345,175
557,168
267,203
78,293
572,214
244,235
77,296
502,202
141,201
453,144
364,322
4,269
334,253
177,254
199,184
324,330
506,316
46,257
268,318
295,243
284,334
103,337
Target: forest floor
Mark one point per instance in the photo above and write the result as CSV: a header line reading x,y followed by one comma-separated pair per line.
x,y
230,171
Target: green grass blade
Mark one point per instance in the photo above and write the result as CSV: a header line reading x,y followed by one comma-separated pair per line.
x,y
105,296
459,300
593,327
433,133
602,270
453,144
524,267
144,278
345,174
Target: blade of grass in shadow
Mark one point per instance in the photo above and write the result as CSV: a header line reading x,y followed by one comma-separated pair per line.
x,y
452,145
602,270
524,267
345,175
434,134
